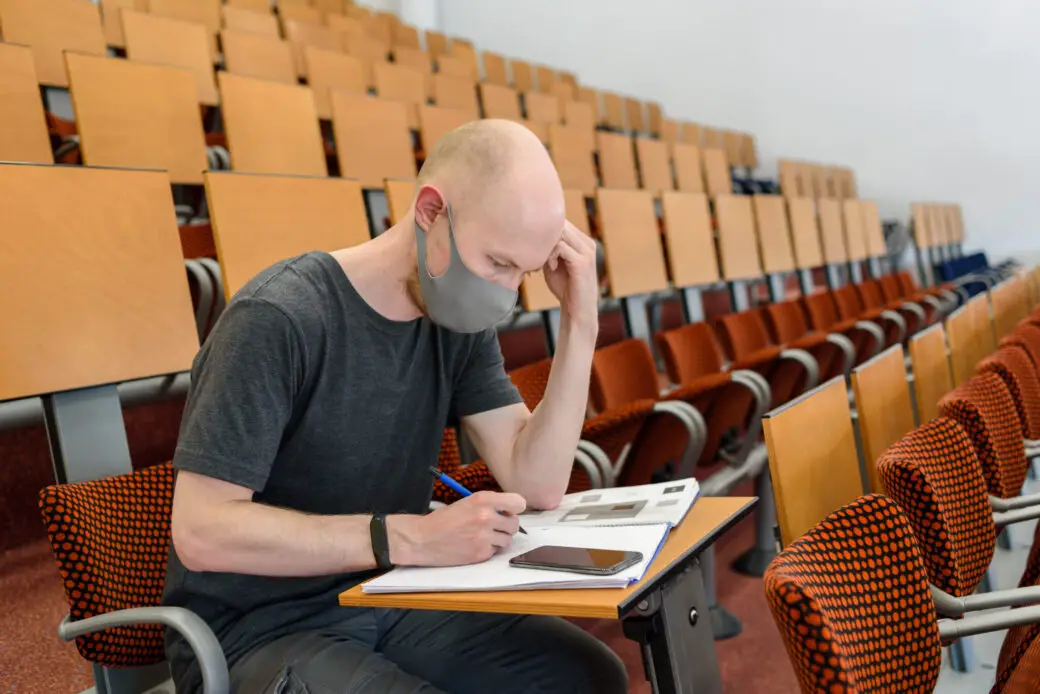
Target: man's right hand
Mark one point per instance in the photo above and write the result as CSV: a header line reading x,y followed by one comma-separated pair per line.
x,y
466,532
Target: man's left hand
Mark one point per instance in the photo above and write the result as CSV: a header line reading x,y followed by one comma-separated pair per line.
x,y
570,273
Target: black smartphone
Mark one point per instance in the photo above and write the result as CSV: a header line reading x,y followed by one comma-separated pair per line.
x,y
599,562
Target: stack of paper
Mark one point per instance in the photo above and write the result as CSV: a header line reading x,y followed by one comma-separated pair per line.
x,y
667,502
497,574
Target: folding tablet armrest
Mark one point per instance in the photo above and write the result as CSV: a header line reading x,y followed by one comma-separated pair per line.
x,y
915,309
811,366
847,348
898,320
596,464
697,430
951,606
760,391
1017,502
875,331
196,632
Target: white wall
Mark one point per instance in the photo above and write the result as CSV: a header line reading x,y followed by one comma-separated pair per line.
x,y
925,99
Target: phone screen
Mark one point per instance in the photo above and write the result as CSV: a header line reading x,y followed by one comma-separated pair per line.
x,y
578,559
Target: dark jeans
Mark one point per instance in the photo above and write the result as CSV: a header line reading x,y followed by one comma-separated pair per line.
x,y
406,651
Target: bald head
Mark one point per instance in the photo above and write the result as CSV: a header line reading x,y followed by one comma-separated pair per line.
x,y
504,194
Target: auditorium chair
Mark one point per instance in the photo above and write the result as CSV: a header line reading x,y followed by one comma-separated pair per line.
x,y
833,352
986,411
894,291
1014,367
852,603
873,297
935,476
790,371
851,307
111,539
866,336
1026,336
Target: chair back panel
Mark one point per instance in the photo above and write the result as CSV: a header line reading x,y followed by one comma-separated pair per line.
x,y
774,237
805,232
738,249
885,409
689,175
690,352
1015,368
832,236
689,239
743,333
92,275
785,321
839,639
24,135
930,366
812,458
935,477
631,242
984,408
621,374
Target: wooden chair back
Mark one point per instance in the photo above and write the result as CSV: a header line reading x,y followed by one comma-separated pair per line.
x,y
50,28
812,458
271,127
832,234
373,142
617,166
774,236
572,154
884,407
23,126
258,55
91,279
689,239
631,242
655,170
930,366
162,41
738,250
137,115
259,220
805,232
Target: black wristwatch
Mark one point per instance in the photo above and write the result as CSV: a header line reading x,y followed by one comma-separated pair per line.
x,y
380,543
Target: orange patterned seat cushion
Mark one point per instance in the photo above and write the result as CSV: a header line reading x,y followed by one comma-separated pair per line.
x,y
933,474
1015,368
851,601
984,408
111,538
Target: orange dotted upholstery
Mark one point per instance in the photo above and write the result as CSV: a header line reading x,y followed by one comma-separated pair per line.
x,y
1031,574
1018,666
1015,368
985,410
475,477
1027,337
690,352
934,475
621,373
111,538
531,380
839,639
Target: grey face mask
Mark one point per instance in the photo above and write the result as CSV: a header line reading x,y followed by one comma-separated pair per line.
x,y
457,299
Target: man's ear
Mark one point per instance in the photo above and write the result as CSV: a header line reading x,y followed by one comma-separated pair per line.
x,y
429,204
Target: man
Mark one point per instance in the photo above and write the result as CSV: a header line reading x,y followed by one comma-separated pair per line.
x,y
317,407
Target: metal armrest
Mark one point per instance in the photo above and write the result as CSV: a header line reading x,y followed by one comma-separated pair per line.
x,y
205,285
898,320
915,309
219,300
952,629
196,632
812,368
219,159
1017,515
695,427
975,277
848,349
759,387
876,332
939,306
950,606
1025,501
591,453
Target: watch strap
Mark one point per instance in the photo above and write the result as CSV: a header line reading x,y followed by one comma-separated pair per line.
x,y
380,542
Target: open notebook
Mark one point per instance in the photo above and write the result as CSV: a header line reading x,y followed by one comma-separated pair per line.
x,y
627,518
666,502
497,574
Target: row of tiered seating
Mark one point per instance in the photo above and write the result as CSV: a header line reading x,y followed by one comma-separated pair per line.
x,y
885,552
658,195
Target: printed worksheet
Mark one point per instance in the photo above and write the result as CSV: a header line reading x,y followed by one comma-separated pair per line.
x,y
667,502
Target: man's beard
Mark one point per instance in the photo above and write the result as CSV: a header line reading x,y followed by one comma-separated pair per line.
x,y
414,290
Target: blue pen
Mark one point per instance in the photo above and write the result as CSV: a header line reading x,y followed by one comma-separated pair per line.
x,y
455,486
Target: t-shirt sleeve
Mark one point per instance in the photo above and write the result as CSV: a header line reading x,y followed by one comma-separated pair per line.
x,y
243,384
483,383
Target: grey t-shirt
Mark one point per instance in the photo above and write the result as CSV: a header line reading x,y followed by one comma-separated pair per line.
x,y
309,397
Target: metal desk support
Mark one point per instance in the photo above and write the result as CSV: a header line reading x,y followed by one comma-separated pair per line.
x,y
636,320
834,276
739,295
805,279
855,272
777,286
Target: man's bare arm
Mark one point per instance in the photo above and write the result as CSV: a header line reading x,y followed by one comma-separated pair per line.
x,y
218,527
